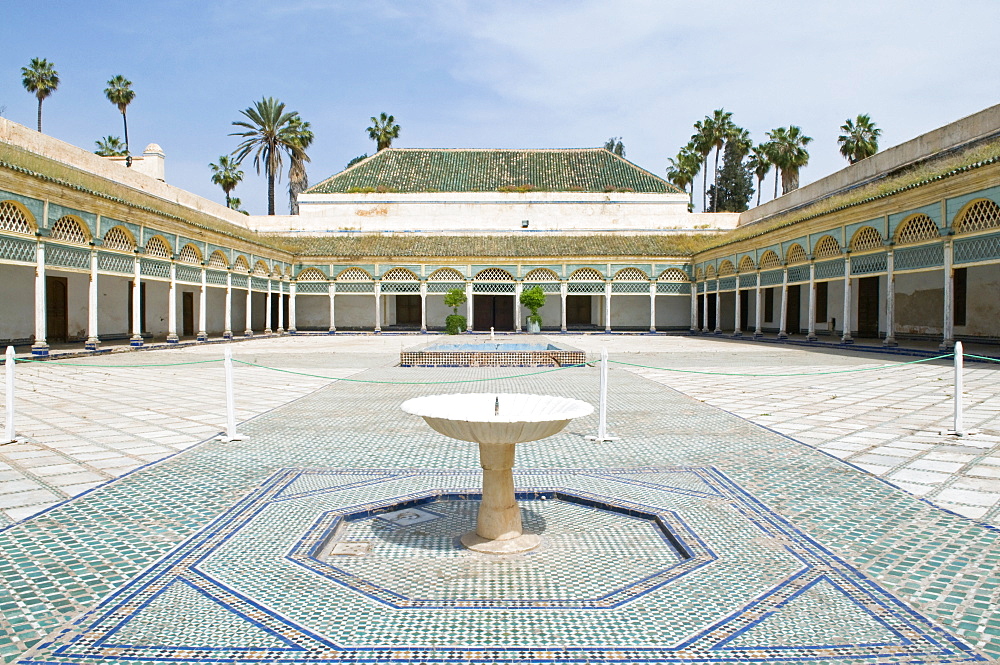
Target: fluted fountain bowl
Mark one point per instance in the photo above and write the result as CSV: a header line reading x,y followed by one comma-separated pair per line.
x,y
475,416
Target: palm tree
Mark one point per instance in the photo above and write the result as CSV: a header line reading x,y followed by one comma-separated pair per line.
x,y
270,132
789,154
702,140
721,123
615,145
110,146
42,79
298,179
119,92
683,170
740,138
226,174
760,164
860,138
383,131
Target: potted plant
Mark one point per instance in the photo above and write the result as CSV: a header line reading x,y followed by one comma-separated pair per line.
x,y
534,300
455,323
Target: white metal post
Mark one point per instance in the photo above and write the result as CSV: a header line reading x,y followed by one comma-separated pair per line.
x,y
602,410
9,371
230,434
958,390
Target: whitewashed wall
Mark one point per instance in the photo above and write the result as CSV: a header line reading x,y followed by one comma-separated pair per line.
x,y
17,302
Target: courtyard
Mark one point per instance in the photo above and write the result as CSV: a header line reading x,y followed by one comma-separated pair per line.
x,y
807,508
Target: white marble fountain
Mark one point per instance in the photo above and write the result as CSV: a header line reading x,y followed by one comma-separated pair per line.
x,y
497,422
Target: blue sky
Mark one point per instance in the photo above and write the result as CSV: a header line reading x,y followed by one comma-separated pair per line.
x,y
517,74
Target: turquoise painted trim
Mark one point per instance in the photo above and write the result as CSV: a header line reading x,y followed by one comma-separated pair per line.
x,y
933,211
776,248
801,240
460,269
814,239
954,205
56,211
878,223
34,206
300,268
227,252
108,223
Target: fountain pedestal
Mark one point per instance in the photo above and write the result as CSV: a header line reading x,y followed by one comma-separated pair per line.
x,y
498,422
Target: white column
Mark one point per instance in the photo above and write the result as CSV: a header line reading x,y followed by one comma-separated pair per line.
x,y
782,331
563,294
718,308
292,286
40,347
172,337
607,307
811,336
518,288
227,333
267,309
93,340
281,306
652,307
694,307
136,303
890,302
758,332
378,307
248,331
948,343
704,307
423,307
203,307
332,290
468,306
846,337
737,330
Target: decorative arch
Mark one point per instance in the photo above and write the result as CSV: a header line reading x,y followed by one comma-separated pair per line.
x,y
770,259
189,254
541,275
978,215
446,275
726,268
158,247
747,264
916,228
311,275
120,238
796,254
276,271
826,248
710,272
218,260
494,275
699,274
865,239
354,275
241,264
586,275
70,228
400,275
15,218
260,268
631,275
673,275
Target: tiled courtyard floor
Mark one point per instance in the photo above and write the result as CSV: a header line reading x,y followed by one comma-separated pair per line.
x,y
768,550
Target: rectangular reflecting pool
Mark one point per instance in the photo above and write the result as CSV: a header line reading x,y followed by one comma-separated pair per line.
x,y
539,352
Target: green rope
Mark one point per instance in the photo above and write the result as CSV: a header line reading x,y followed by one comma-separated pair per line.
x,y
838,371
408,383
69,364
992,360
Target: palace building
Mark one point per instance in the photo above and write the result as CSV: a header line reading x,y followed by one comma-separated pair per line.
x,y
903,245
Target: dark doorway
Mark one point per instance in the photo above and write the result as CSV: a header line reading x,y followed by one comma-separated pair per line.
x,y
744,310
578,312
794,314
711,310
187,314
495,312
278,300
769,305
701,311
56,309
822,301
274,310
961,295
142,308
407,310
868,307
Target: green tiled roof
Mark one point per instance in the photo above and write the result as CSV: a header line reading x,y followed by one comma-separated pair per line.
x,y
496,246
420,170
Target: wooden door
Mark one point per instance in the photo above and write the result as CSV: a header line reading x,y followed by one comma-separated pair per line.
x,y
744,310
407,310
793,318
56,309
578,312
503,312
711,310
482,312
187,314
701,311
868,307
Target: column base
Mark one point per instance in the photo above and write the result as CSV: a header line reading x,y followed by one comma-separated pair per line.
x,y
172,338
737,333
693,331
91,344
202,337
423,331
227,334
333,330
890,341
947,345
652,330
40,350
782,335
268,331
248,333
811,337
717,331
523,543
292,331
847,339
135,342
758,334
378,331
280,331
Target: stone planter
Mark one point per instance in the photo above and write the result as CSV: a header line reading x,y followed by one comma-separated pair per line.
x,y
534,326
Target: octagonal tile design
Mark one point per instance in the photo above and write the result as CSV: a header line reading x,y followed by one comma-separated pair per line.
x,y
746,585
